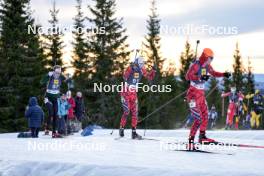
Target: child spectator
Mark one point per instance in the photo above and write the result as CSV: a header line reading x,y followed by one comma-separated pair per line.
x,y
212,117
35,116
63,107
71,116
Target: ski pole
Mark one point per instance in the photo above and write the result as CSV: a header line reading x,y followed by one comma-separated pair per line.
x,y
211,91
112,131
171,100
145,128
159,108
197,43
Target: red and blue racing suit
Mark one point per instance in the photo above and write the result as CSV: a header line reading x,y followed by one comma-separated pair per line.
x,y
129,100
196,95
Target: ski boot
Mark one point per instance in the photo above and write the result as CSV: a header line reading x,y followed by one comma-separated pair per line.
x,y
228,127
46,132
191,145
135,135
121,132
204,140
56,135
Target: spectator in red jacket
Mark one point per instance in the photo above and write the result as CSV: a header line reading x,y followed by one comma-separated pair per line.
x,y
71,102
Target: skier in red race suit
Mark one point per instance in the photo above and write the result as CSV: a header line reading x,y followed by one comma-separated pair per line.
x,y
132,76
198,74
234,98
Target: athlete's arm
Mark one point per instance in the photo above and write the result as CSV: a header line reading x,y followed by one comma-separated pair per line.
x,y
149,75
127,73
225,94
214,73
191,74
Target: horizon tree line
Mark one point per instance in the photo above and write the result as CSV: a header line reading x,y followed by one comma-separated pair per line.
x,y
96,57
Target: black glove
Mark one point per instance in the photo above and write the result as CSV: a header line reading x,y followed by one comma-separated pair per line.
x,y
205,77
227,74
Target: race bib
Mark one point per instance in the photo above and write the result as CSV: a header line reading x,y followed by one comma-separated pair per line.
x,y
56,81
192,104
203,71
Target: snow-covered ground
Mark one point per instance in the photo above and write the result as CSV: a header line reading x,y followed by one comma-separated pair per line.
x,y
102,155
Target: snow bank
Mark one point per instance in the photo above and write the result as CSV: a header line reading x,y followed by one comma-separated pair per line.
x,y
102,155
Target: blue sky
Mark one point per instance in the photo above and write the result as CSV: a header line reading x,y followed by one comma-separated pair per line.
x,y
245,15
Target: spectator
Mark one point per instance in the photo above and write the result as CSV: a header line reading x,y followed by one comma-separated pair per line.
x,y
53,81
71,116
212,117
35,116
246,121
63,107
80,108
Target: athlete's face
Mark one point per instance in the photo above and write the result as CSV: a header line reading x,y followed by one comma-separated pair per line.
x,y
209,60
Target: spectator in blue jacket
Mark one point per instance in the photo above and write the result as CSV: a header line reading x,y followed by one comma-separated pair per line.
x,y
63,107
35,116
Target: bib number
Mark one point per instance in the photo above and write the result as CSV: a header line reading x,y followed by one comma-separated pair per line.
x,y
55,84
192,104
203,71
135,81
135,78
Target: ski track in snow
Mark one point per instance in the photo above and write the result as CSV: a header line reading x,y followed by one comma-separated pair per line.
x,y
108,157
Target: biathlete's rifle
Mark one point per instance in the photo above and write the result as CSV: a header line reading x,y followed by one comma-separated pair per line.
x,y
196,48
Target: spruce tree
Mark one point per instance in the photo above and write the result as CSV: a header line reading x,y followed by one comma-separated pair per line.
x,y
81,61
152,44
151,100
250,85
108,42
238,70
22,58
54,43
110,57
186,59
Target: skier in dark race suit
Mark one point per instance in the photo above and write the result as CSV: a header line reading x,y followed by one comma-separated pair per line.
x,y
198,74
132,76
